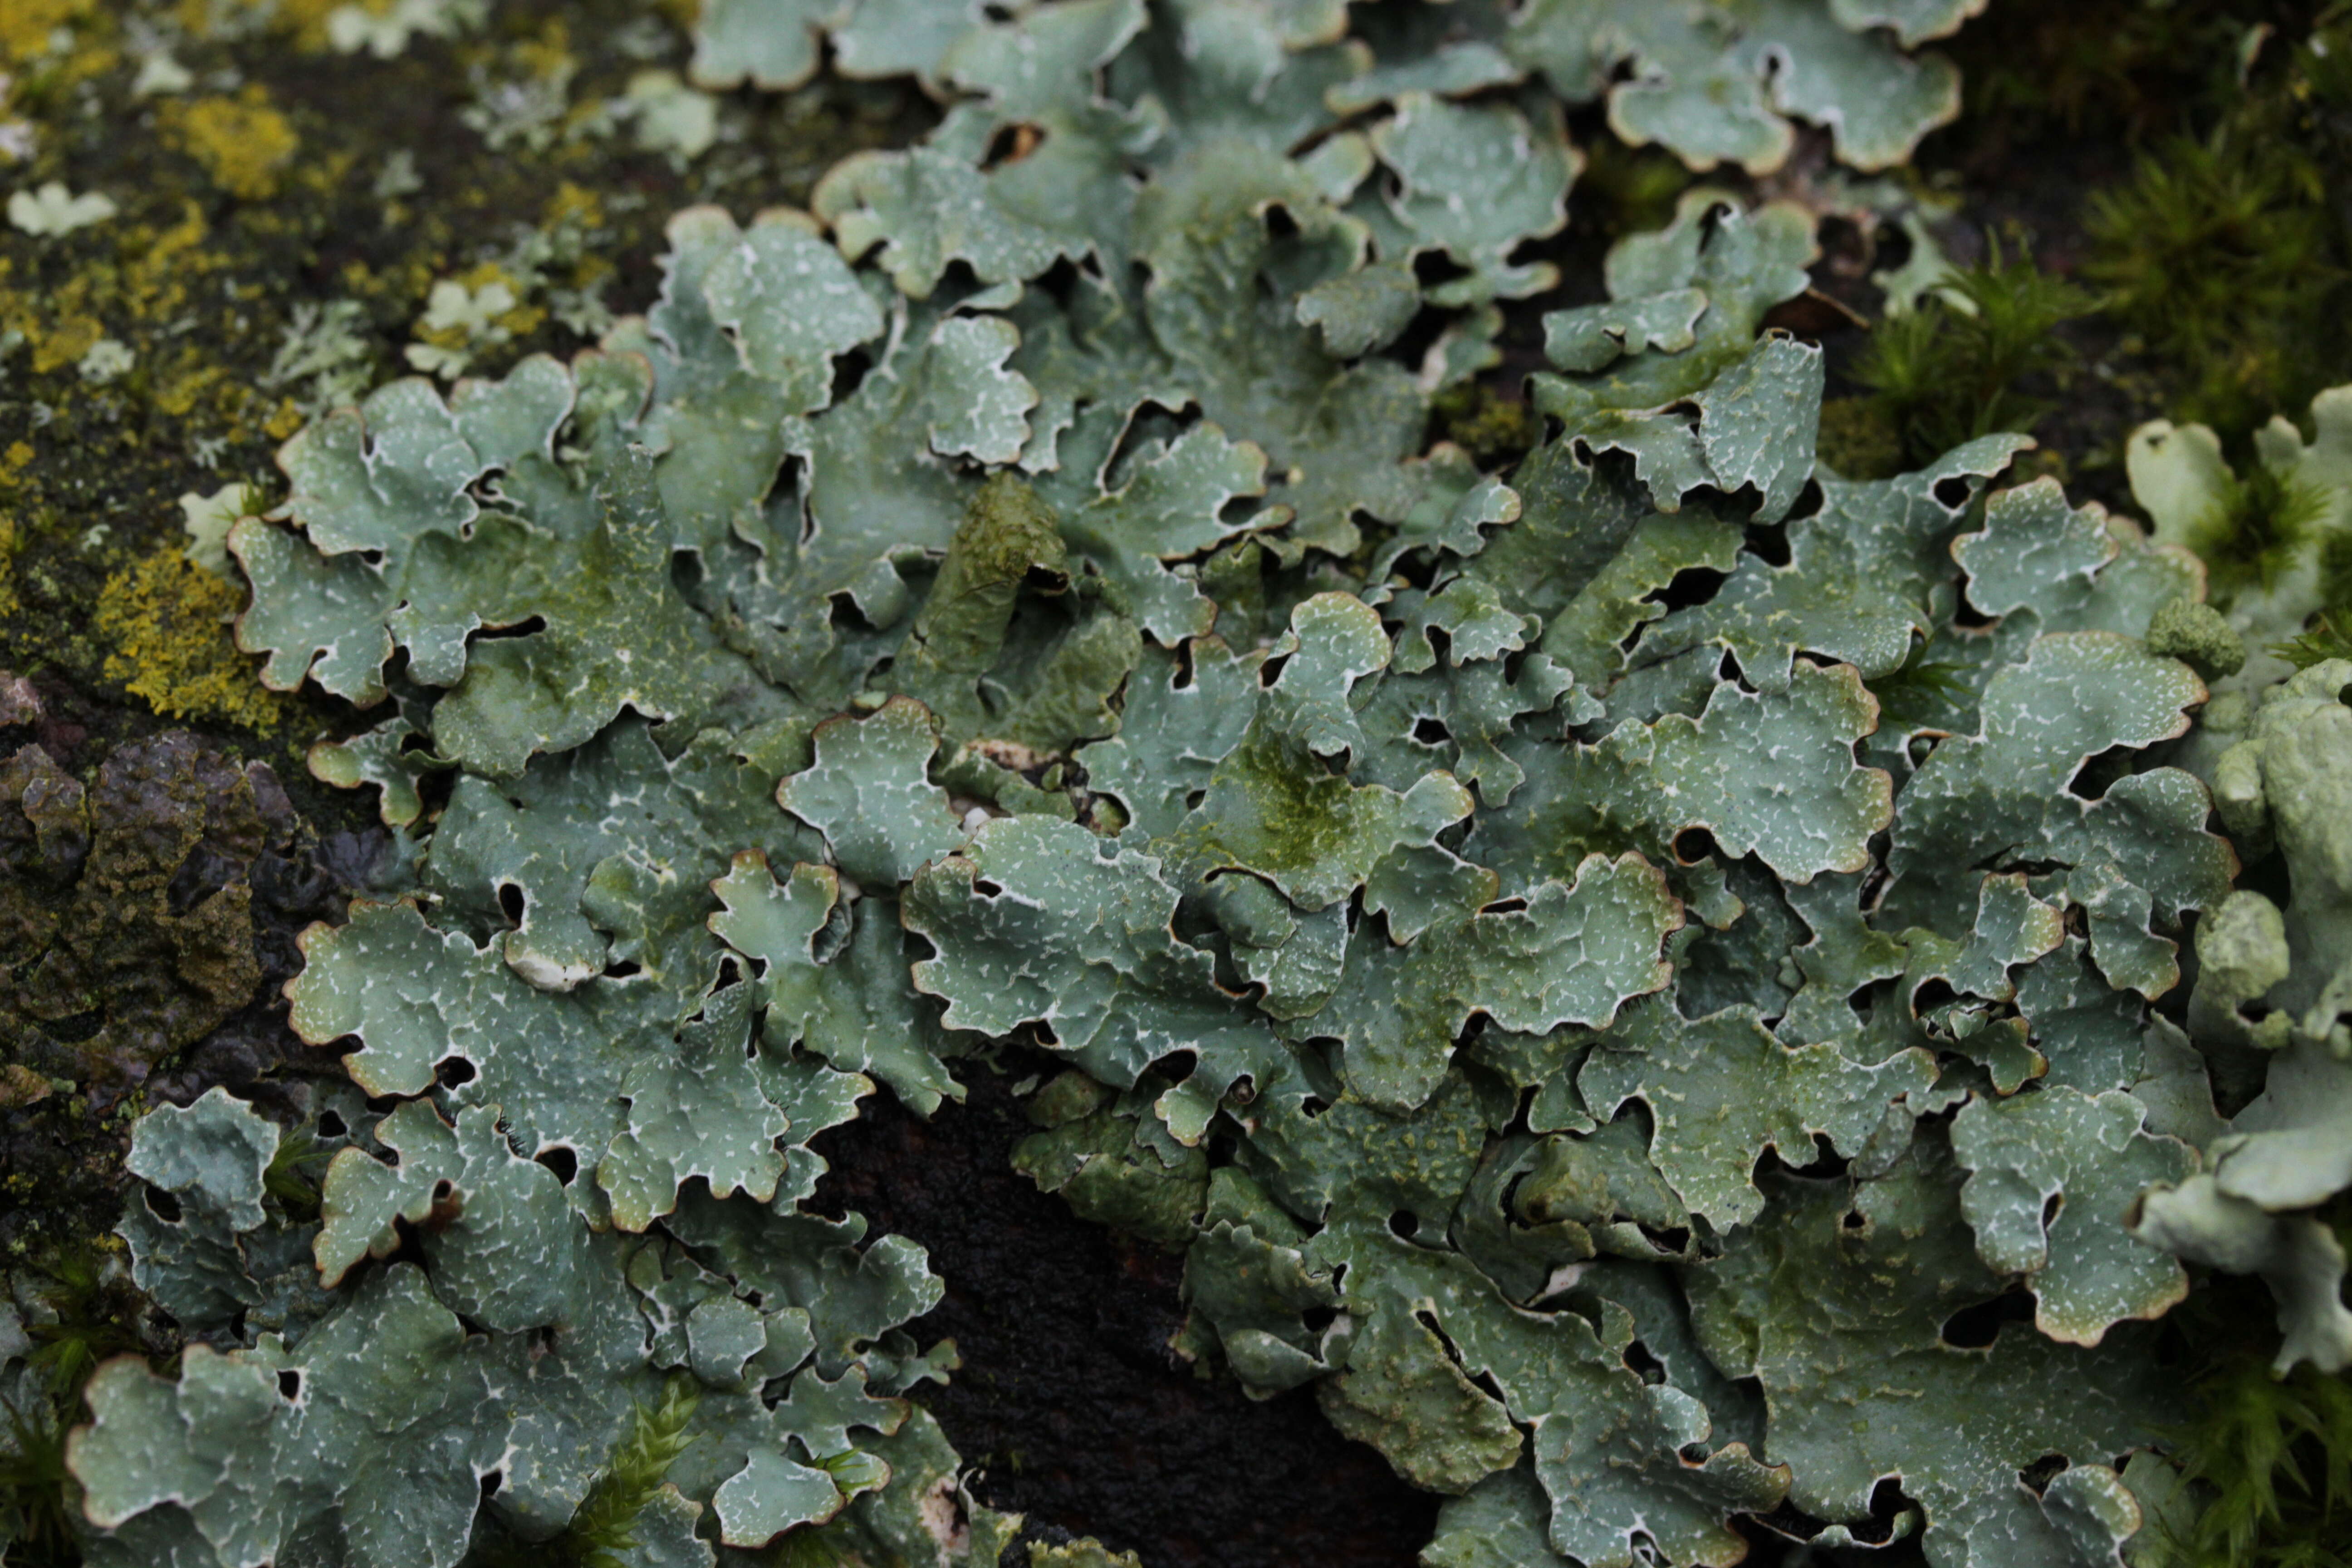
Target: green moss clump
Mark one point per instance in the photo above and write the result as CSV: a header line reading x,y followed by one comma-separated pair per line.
x,y
36,1509
2218,258
603,1532
2323,639
1493,429
2274,1458
1633,187
2098,68
2260,524
604,1529
1859,439
74,1306
2227,253
1955,368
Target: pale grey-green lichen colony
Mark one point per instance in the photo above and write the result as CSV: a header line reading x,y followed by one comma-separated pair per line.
x,y
1017,600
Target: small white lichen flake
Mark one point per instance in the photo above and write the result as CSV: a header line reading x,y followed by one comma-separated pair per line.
x,y
108,360
671,117
384,31
53,210
206,519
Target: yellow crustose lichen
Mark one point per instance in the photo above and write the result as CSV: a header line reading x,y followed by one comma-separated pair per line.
x,y
168,621
25,25
243,143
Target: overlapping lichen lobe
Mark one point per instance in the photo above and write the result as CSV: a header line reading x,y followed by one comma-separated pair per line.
x,y
198,276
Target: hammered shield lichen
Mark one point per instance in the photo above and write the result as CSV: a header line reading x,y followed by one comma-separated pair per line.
x,y
1019,603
